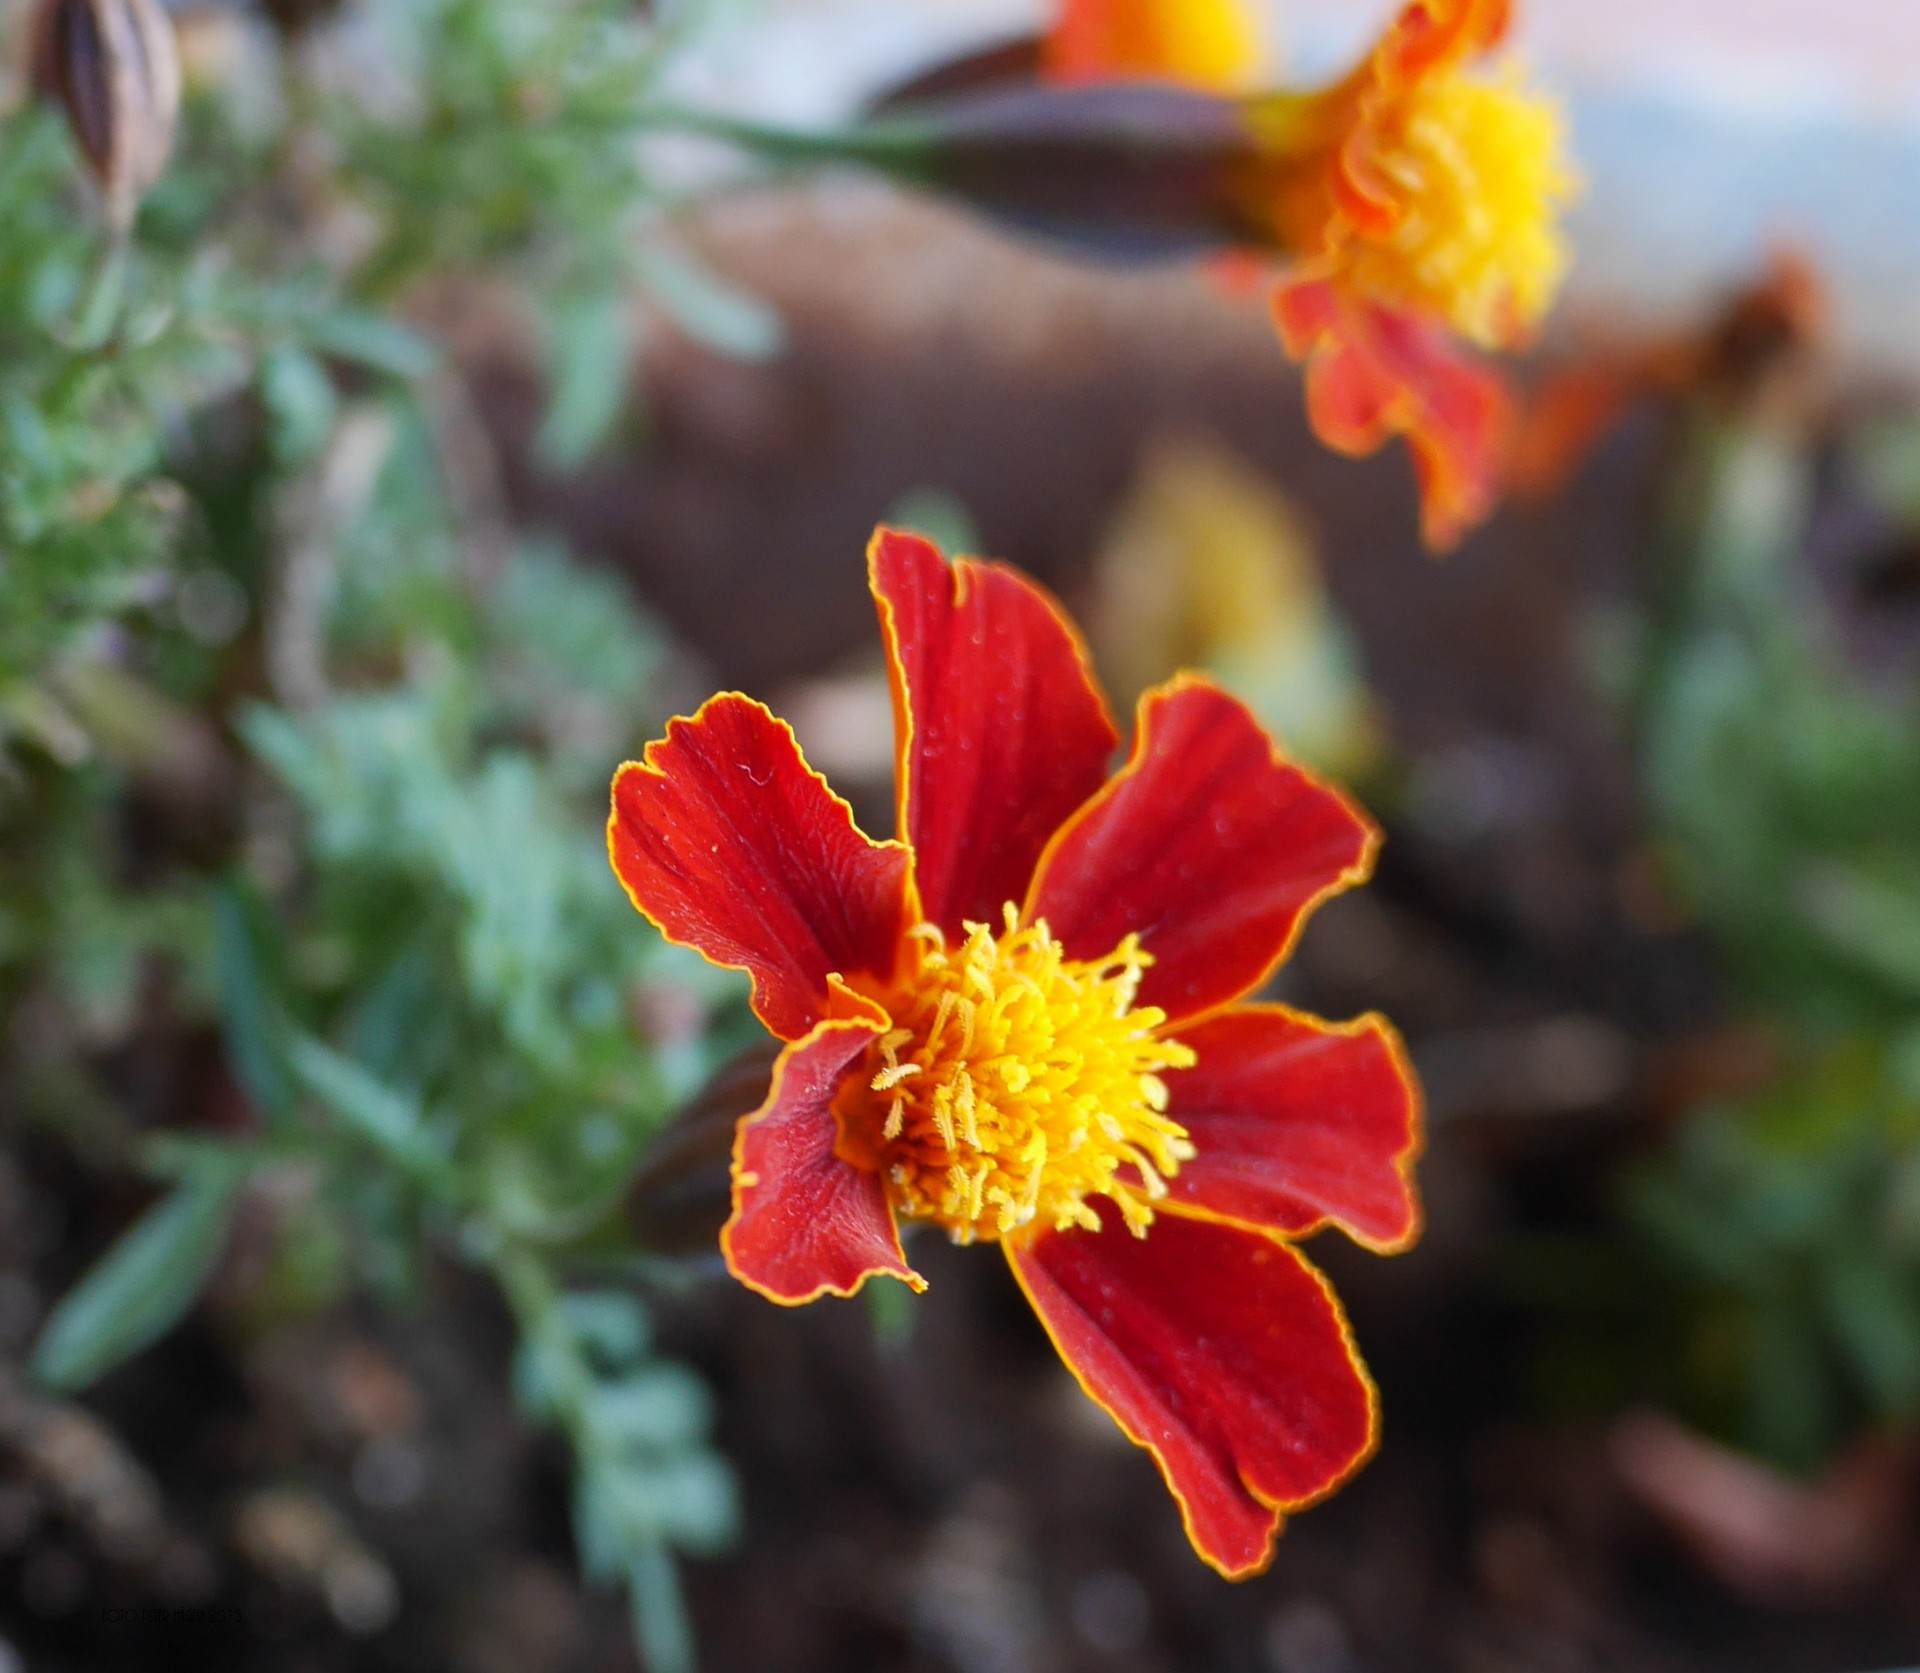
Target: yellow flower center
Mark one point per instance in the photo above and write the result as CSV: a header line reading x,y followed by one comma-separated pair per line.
x,y
1014,1084
1476,173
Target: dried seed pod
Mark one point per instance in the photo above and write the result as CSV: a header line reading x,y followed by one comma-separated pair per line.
x,y
114,67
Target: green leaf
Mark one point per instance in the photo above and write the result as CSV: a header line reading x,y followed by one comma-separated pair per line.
x,y
252,1023
143,1285
368,1107
589,347
300,400
659,1407
539,1371
686,1501
1870,919
615,1513
381,345
708,308
698,1507
1873,1312
610,1324
660,1627
576,629
396,1012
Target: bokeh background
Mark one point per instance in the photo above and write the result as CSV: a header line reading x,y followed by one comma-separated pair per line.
x,y
297,867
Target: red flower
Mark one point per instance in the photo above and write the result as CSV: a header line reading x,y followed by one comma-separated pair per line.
x,y
1425,220
1023,1021
1416,203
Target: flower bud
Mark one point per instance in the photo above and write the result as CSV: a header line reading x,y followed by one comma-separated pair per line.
x,y
114,67
1131,171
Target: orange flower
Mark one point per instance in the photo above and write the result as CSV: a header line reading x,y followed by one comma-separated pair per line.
x,y
1211,44
1420,205
1426,210
1425,189
1023,1022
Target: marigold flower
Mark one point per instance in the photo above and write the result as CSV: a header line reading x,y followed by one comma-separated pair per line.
x,y
1422,204
1418,202
1418,186
1022,1022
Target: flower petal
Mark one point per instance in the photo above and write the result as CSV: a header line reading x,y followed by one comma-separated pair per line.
x,y
732,845
1297,1122
1208,843
1221,1351
999,729
1210,44
1429,35
1375,372
805,1223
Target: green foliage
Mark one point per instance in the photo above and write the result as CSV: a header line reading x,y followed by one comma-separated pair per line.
x,y
481,132
66,921
637,1426
459,993
456,1009
146,1281
300,735
435,1004
466,137
1792,1219
506,137
1785,788
86,516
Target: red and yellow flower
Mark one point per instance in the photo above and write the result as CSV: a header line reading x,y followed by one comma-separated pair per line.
x,y
1024,1022
1419,204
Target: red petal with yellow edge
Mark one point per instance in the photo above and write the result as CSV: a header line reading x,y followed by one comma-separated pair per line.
x,y
999,729
1223,1353
805,1223
1374,373
1296,1123
732,845
1209,844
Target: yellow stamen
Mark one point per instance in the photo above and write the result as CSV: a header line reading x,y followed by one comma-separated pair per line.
x,y
1048,1091
1476,175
